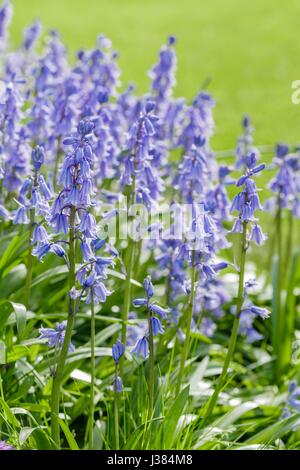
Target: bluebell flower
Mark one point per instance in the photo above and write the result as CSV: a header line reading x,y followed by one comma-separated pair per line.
x,y
38,157
148,287
40,235
21,216
159,310
257,235
41,250
118,350
141,347
118,385
157,327
55,336
245,147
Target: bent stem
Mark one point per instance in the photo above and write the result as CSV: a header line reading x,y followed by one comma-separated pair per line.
x,y
232,342
58,372
151,367
92,393
188,327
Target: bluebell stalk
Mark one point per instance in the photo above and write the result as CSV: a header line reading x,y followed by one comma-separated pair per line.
x,y
143,185
285,187
38,158
246,202
145,345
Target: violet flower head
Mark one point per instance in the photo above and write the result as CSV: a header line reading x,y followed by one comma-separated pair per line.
x,y
6,13
245,143
285,184
247,202
138,159
163,73
38,157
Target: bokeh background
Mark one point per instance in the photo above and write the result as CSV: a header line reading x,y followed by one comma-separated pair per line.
x,y
249,50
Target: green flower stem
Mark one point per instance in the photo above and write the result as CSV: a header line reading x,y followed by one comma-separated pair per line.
x,y
280,321
129,264
116,406
58,373
92,393
151,367
186,346
234,333
29,256
289,242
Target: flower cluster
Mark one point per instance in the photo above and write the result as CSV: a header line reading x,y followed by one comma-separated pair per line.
x,y
285,184
247,202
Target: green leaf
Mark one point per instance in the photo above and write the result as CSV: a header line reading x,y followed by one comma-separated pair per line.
x,y
6,308
69,436
8,414
290,311
11,251
275,431
20,312
2,352
172,418
25,434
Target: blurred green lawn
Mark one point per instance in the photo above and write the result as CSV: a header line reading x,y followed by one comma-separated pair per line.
x,y
250,49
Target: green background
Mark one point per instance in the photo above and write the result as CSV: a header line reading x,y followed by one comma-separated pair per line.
x,y
250,49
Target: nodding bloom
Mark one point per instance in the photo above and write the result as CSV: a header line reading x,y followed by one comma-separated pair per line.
x,y
55,336
249,313
5,446
141,347
118,350
247,202
245,144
